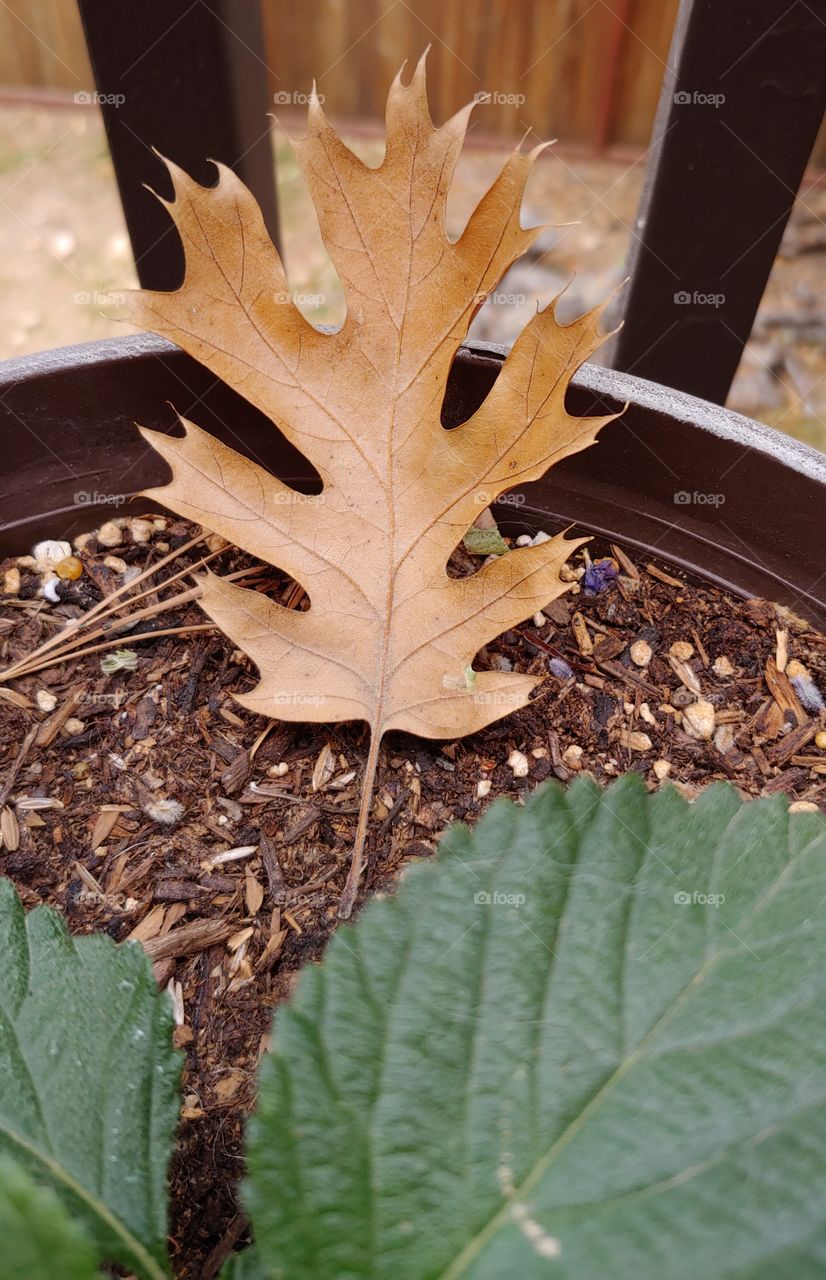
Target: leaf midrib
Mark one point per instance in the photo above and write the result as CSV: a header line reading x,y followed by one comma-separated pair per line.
x,y
502,1216
475,1245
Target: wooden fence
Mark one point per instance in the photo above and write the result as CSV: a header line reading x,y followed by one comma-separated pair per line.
x,y
585,71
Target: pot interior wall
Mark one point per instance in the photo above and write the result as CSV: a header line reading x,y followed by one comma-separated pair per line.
x,y
729,500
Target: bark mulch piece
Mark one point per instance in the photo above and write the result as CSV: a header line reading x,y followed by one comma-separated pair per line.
x,y
146,803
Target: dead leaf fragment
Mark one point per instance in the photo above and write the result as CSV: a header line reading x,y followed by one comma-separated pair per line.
x,y
685,674
254,893
104,824
227,1087
9,830
325,767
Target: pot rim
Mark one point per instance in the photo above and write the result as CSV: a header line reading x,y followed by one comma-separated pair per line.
x,y
598,379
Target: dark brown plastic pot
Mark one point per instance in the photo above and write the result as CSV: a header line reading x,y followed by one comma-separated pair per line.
x,y
736,503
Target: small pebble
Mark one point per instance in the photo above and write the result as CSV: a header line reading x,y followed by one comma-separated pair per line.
x,y
682,650
109,534
569,574
141,530
661,768
278,770
636,741
518,762
820,740
540,537
641,653
483,787
47,554
803,806
524,540
82,541
722,667
69,567
539,619
115,564
698,720
216,543
647,714
724,738
539,753
26,562
45,699
49,590
572,757
159,523
11,582
73,726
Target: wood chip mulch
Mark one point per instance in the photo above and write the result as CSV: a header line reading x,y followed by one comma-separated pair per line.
x,y
233,897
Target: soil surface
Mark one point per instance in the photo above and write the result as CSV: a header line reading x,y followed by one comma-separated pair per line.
x,y
147,803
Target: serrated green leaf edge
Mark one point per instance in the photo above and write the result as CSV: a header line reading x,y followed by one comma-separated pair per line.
x,y
15,926
421,880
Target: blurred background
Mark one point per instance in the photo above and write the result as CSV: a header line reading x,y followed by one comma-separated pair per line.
x,y
586,72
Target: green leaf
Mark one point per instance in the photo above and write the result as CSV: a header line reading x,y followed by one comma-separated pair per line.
x,y
36,1230
484,542
589,1041
88,1079
248,1265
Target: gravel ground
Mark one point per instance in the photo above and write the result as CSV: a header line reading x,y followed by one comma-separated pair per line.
x,y
56,261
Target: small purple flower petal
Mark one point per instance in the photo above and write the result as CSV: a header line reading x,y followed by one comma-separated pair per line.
x,y
599,575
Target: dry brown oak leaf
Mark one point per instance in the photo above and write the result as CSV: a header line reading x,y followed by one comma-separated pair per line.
x,y
389,637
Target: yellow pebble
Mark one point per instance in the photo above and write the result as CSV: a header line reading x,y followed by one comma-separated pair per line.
x,y
69,567
820,740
